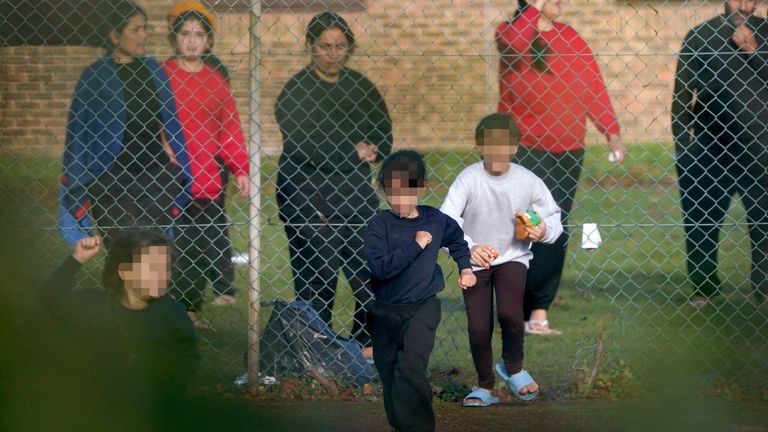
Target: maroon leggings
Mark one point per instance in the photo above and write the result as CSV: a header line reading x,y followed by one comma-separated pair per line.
x,y
508,282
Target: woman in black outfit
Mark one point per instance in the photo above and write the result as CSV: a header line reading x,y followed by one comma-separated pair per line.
x,y
334,124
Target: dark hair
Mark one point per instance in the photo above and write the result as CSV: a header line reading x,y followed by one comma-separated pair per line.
x,y
215,62
117,18
124,246
495,121
511,59
329,20
403,161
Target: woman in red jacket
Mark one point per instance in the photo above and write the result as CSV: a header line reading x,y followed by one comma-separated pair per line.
x,y
550,84
211,126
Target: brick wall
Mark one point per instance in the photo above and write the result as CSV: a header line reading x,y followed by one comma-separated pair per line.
x,y
432,59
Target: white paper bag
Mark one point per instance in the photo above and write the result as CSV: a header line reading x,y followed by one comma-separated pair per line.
x,y
590,236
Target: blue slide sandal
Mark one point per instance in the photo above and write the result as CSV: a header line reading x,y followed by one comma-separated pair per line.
x,y
482,398
517,381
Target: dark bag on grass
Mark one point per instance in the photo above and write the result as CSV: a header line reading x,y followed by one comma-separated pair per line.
x,y
297,340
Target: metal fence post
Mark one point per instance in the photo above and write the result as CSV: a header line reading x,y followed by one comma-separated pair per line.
x,y
254,231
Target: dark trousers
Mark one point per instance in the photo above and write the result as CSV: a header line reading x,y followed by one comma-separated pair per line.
x,y
223,272
507,281
204,253
709,175
403,338
128,200
560,172
317,252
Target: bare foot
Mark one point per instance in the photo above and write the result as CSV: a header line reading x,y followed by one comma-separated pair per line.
x,y
477,401
223,300
537,327
530,388
699,302
197,322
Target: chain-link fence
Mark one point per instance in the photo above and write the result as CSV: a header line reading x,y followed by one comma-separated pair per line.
x,y
275,113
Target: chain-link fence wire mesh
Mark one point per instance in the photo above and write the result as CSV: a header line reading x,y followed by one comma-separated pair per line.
x,y
436,67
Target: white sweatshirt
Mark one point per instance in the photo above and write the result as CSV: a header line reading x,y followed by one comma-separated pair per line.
x,y
484,205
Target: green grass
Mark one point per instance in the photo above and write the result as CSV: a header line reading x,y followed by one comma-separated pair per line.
x,y
630,289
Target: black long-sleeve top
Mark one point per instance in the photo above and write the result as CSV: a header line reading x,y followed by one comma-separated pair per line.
x,y
153,349
401,272
320,172
143,152
720,91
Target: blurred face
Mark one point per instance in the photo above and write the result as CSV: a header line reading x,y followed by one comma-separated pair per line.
x,y
130,42
403,194
497,150
739,10
551,10
192,40
329,54
146,278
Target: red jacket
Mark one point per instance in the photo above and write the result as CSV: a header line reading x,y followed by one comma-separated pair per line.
x,y
211,126
551,108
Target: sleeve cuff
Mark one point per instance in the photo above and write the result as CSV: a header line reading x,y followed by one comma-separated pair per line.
x,y
71,265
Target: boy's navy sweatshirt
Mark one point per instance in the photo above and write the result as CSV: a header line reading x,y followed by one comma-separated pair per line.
x,y
401,272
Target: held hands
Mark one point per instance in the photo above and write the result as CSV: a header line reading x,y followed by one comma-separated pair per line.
x,y
367,152
744,38
423,238
467,278
483,255
86,248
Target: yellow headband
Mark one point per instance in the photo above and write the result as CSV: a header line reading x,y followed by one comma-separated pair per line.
x,y
190,5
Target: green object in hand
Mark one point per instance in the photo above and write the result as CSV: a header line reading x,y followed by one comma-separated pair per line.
x,y
535,219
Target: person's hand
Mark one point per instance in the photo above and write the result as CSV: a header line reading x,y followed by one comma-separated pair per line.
x,y
618,150
467,278
537,233
243,185
423,238
744,38
483,255
168,149
86,248
367,152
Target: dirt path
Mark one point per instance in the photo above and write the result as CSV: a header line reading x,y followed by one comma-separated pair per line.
x,y
624,416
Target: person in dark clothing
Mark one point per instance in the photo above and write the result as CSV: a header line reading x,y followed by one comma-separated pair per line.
x,y
719,121
401,247
137,345
334,124
115,164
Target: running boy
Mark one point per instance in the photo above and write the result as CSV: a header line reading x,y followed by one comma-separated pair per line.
x,y
401,247
484,199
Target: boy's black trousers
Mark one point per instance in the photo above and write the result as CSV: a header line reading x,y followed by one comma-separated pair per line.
x,y
403,338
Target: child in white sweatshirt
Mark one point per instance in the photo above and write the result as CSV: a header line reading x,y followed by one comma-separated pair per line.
x,y
484,199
